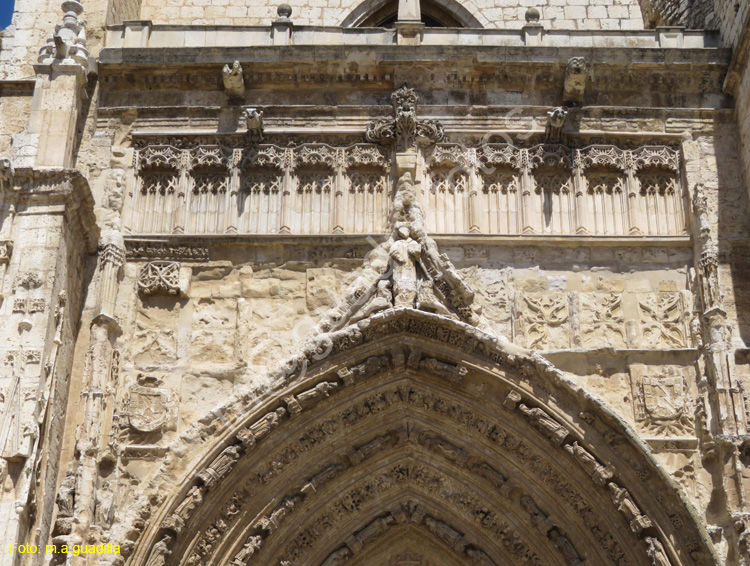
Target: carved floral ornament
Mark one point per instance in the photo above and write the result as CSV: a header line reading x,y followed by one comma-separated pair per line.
x,y
441,395
177,154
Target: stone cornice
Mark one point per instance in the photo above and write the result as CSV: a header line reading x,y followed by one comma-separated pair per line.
x,y
67,187
538,56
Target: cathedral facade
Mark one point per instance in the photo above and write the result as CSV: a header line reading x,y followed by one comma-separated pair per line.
x,y
375,282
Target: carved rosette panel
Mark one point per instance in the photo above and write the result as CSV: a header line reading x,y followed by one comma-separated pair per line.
x,y
159,277
662,404
602,322
543,320
663,320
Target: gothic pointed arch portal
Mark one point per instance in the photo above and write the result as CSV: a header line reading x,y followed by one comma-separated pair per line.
x,y
419,427
404,418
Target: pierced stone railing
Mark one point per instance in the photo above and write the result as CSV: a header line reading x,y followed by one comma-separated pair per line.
x,y
549,189
493,189
261,189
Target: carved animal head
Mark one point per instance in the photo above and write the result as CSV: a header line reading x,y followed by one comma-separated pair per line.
x,y
576,66
556,117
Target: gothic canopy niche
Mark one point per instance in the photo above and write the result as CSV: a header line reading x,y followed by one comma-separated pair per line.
x,y
405,432
435,13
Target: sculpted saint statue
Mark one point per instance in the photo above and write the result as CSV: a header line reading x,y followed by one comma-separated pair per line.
x,y
248,549
656,552
66,496
338,558
192,500
160,552
404,253
225,461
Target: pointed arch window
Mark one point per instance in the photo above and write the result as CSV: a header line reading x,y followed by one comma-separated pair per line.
x,y
435,14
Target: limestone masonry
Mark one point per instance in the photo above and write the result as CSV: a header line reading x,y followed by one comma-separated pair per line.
x,y
375,283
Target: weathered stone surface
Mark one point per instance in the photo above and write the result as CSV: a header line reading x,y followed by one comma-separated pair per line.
x,y
278,287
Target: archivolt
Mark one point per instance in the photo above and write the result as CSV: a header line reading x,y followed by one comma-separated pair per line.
x,y
413,409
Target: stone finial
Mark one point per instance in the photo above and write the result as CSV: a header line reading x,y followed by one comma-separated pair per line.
x,y
555,123
67,44
532,15
575,81
282,26
234,82
284,11
405,128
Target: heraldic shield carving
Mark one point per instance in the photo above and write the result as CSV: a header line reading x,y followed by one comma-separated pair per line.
x,y
148,408
664,397
661,401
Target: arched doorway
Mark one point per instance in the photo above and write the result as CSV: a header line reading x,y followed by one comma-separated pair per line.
x,y
422,440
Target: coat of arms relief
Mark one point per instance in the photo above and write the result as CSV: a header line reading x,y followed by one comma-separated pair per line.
x,y
148,409
662,404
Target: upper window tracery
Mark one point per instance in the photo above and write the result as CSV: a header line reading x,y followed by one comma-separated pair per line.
x,y
435,14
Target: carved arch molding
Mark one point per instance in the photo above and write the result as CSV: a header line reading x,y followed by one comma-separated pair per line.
x,y
420,440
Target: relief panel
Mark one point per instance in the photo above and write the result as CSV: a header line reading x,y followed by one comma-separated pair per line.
x,y
662,404
543,320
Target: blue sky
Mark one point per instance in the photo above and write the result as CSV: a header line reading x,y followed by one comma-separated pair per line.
x,y
6,11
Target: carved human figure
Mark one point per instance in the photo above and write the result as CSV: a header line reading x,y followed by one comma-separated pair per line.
x,y
338,557
371,447
551,428
192,500
383,299
105,506
443,531
449,451
321,478
656,552
224,463
263,426
490,474
404,253
374,529
450,372
598,472
66,495
160,552
286,507
622,499
427,299
248,549
479,558
316,394
536,515
566,548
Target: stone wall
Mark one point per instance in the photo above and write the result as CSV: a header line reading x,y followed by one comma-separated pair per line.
x,y
555,14
693,14
732,16
121,10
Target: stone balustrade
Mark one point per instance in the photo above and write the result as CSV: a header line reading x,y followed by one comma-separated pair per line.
x,y
494,189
